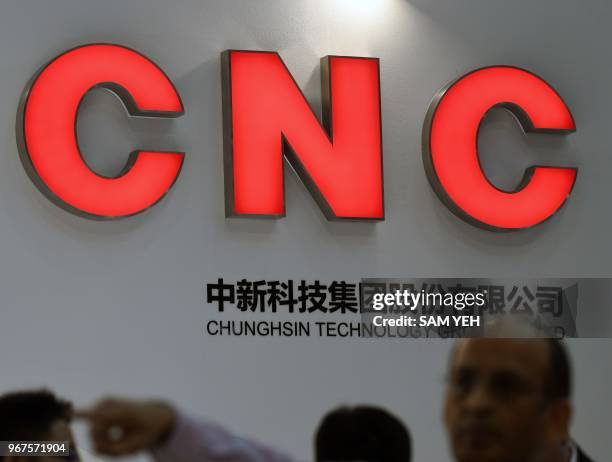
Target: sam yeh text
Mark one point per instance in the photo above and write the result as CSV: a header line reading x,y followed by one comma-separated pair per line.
x,y
427,321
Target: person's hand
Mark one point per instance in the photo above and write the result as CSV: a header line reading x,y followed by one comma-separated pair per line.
x,y
121,427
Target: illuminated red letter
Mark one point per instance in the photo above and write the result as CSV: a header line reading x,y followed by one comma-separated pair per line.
x,y
47,139
266,116
450,152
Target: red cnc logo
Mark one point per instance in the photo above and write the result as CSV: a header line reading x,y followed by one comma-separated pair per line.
x,y
267,120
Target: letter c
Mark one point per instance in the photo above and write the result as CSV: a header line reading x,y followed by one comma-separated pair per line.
x,y
46,131
450,152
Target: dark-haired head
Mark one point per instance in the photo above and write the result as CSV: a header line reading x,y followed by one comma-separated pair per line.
x,y
33,416
363,433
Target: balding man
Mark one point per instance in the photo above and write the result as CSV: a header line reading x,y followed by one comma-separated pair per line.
x,y
509,400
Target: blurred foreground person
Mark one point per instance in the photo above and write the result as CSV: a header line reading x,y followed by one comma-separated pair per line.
x,y
121,427
509,400
35,416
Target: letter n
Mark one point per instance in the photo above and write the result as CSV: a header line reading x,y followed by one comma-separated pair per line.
x,y
266,118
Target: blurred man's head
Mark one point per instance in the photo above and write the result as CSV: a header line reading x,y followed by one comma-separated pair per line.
x,y
34,416
362,433
508,400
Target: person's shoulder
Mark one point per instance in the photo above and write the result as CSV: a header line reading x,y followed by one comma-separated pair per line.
x,y
582,457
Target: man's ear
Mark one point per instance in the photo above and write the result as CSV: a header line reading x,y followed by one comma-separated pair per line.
x,y
560,418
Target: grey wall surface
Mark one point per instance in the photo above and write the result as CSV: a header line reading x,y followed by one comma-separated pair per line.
x,y
90,308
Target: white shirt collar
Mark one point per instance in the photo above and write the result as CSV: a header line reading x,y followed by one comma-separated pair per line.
x,y
574,456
